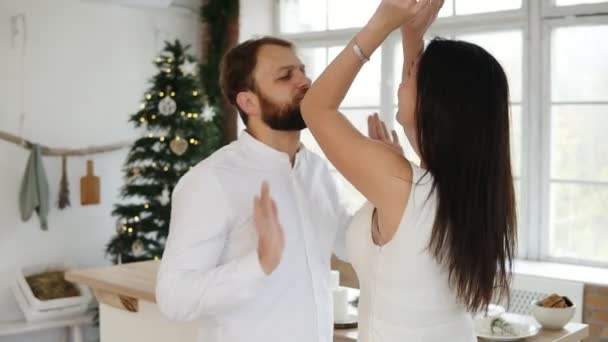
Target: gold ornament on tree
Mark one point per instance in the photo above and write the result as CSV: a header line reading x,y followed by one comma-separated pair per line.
x,y
178,145
138,249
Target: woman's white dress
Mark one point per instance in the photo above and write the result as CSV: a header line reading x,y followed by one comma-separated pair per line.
x,y
405,294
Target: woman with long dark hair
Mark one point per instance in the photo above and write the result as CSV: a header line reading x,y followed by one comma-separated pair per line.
x,y
435,241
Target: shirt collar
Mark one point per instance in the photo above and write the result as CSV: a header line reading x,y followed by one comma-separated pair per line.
x,y
267,153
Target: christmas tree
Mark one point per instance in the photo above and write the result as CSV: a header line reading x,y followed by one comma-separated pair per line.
x,y
181,129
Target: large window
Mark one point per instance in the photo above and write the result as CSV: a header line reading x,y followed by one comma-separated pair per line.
x,y
578,116
362,100
557,66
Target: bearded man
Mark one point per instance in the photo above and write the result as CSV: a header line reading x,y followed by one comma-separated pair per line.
x,y
228,264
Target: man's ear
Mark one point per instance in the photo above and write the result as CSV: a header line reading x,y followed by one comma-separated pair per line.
x,y
248,102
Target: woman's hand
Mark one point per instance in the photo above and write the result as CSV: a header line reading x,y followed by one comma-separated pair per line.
x,y
376,130
417,27
391,14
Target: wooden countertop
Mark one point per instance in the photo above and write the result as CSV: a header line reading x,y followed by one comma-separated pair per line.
x,y
135,280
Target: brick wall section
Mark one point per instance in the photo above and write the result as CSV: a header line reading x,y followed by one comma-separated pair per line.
x,y
595,313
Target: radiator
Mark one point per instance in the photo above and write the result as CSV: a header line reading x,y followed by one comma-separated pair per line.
x,y
527,288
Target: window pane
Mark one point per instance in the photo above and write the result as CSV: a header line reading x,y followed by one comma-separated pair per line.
x,y
507,48
447,9
350,13
358,117
302,15
579,63
578,142
314,59
579,217
365,91
577,2
521,236
516,138
482,6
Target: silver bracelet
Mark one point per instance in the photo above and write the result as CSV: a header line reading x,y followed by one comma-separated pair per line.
x,y
359,53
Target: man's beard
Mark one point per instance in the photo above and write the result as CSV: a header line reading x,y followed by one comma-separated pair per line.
x,y
281,117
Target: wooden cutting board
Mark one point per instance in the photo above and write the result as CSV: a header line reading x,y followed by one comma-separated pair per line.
x,y
89,186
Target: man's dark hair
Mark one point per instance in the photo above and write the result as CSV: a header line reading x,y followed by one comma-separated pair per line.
x,y
236,70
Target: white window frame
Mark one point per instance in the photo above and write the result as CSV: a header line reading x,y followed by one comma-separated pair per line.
x,y
535,19
548,25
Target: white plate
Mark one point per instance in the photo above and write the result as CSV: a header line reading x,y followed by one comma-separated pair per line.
x,y
523,330
494,311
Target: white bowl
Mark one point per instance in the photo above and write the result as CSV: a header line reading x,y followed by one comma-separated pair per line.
x,y
552,318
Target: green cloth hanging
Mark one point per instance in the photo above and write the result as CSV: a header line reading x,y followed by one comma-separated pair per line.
x,y
34,194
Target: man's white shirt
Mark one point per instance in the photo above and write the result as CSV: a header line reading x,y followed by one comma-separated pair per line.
x,y
210,271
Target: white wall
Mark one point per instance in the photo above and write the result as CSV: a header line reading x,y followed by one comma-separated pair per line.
x,y
87,65
256,18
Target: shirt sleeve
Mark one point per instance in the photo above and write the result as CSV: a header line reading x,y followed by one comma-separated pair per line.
x,y
343,217
191,282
